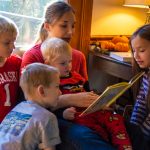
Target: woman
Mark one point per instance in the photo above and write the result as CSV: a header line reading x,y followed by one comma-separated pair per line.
x,y
60,22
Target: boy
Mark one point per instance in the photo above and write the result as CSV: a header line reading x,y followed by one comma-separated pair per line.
x,y
29,126
9,66
57,53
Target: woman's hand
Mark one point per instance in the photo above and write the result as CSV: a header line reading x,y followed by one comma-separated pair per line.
x,y
69,113
83,99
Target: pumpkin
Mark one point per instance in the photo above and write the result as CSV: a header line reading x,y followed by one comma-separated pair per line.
x,y
122,39
107,45
122,47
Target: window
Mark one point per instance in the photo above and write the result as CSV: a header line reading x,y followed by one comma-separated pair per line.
x,y
27,14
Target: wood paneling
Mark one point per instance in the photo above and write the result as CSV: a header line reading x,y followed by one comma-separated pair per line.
x,y
83,9
104,37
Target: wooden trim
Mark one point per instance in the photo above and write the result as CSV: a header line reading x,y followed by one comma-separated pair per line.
x,y
103,37
83,9
86,25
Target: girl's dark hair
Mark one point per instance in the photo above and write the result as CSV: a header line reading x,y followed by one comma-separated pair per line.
x,y
53,13
144,33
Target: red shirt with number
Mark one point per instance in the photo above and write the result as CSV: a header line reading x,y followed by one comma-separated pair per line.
x,y
9,84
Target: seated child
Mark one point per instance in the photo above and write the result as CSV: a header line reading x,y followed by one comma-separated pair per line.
x,y
30,126
9,66
110,126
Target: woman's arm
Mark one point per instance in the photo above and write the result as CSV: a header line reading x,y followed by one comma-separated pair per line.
x,y
83,99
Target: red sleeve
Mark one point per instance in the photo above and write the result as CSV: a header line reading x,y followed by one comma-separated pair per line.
x,y
32,55
79,63
83,68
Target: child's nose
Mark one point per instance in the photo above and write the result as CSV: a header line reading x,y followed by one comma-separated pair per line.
x,y
136,55
70,30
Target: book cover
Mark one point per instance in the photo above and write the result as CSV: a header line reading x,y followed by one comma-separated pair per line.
x,y
110,95
121,56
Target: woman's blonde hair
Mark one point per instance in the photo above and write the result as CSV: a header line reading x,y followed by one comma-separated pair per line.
x,y
7,25
36,74
53,47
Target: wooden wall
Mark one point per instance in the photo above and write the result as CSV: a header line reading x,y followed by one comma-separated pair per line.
x,y
81,39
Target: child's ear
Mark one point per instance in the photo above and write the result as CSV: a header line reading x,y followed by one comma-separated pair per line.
x,y
41,90
47,60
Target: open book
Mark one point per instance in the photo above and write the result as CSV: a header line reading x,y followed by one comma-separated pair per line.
x,y
110,95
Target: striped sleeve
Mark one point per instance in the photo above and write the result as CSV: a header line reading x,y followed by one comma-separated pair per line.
x,y
140,112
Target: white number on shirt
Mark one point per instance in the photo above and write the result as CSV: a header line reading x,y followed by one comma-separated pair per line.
x,y
7,103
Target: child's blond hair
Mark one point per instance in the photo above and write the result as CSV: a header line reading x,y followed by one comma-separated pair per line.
x,y
7,25
53,47
36,74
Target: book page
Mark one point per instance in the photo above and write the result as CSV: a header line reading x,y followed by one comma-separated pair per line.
x,y
106,98
110,95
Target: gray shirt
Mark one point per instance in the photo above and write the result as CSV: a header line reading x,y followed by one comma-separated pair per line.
x,y
27,126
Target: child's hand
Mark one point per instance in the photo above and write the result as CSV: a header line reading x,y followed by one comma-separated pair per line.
x,y
84,99
129,148
69,113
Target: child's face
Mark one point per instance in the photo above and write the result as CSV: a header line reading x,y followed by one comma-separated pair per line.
x,y
52,93
7,44
64,64
141,51
64,28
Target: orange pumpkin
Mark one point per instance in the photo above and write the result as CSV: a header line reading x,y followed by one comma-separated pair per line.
x,y
107,45
122,47
122,39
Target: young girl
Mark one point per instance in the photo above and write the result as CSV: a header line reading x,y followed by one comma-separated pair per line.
x,y
9,66
108,125
140,44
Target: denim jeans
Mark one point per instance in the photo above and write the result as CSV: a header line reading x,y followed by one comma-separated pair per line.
x,y
77,137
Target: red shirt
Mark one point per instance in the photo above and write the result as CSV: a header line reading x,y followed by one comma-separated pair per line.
x,y
78,59
9,84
